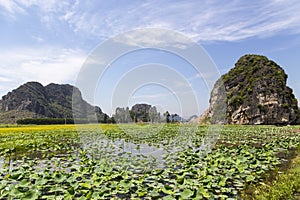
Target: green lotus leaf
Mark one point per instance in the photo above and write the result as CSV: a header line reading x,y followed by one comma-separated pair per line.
x,y
24,183
125,183
153,193
86,185
71,191
30,195
187,193
169,197
15,175
167,190
250,178
203,192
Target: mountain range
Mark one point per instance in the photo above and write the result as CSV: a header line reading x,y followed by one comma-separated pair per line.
x,y
254,91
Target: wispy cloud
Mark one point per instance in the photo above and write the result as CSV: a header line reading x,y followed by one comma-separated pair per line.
x,y
45,65
5,79
205,21
202,76
10,7
75,24
152,96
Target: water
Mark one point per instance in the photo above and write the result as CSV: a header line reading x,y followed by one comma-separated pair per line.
x,y
1,162
117,149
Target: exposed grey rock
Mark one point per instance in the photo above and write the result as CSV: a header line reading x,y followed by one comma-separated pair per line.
x,y
32,99
253,92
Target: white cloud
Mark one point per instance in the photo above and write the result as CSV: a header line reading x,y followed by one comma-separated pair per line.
x,y
152,96
154,37
11,7
4,79
201,76
205,21
84,23
45,65
38,38
20,6
49,5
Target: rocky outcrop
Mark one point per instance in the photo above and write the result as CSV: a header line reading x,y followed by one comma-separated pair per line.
x,y
54,101
138,113
253,92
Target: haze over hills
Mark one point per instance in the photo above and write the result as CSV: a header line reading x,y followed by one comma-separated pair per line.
x,y
253,92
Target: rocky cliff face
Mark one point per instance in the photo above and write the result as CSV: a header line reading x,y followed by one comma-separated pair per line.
x,y
34,100
141,112
138,113
253,92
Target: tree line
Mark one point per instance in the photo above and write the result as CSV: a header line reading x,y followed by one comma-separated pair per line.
x,y
139,113
144,113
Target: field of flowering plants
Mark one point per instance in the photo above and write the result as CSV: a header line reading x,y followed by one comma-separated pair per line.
x,y
131,161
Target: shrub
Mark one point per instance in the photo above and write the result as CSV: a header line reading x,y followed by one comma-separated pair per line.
x,y
262,108
285,105
46,121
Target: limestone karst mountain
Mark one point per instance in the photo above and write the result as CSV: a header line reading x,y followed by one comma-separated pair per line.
x,y
32,100
255,91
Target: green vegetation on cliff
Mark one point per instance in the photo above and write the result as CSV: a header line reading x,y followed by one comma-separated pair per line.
x,y
254,92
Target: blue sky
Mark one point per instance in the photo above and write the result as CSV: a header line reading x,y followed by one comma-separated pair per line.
x,y
49,41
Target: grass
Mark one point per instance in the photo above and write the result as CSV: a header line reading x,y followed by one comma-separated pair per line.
x,y
286,185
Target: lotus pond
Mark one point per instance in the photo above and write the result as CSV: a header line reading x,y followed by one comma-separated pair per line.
x,y
139,161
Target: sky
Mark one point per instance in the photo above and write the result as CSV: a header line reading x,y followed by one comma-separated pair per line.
x,y
54,41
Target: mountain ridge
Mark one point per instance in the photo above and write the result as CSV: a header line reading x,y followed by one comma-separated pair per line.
x,y
33,100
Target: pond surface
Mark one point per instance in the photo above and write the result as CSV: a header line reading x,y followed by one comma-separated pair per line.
x,y
1,162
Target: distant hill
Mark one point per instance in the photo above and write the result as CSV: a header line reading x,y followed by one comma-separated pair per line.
x,y
177,118
192,119
254,92
138,113
33,100
142,112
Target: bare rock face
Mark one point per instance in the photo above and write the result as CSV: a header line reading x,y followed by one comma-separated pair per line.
x,y
253,92
32,99
141,112
30,96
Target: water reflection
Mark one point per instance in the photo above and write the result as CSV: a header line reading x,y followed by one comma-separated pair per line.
x,y
115,150
1,162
